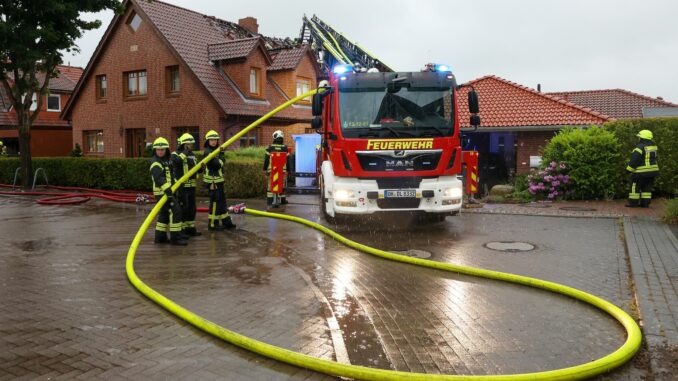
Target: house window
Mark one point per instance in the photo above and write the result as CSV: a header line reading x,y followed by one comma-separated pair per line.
x,y
54,103
249,140
134,21
93,141
254,81
102,86
303,87
135,83
172,79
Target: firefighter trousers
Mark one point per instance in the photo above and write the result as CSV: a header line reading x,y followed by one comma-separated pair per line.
x,y
188,211
169,218
640,190
217,207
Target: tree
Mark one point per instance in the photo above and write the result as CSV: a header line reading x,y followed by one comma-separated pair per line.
x,y
33,36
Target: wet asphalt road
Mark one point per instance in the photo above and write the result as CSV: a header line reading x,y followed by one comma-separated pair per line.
x,y
68,311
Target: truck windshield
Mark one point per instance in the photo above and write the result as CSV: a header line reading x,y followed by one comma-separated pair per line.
x,y
405,112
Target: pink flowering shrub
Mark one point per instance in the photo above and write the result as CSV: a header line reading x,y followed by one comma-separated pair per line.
x,y
550,183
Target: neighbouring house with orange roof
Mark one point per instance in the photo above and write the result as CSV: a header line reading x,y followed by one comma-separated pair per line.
x,y
162,70
50,135
619,103
517,122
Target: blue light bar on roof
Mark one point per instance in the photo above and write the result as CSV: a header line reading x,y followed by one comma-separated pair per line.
x,y
442,67
342,68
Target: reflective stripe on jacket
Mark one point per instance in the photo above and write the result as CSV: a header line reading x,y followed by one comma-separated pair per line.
x,y
644,159
161,174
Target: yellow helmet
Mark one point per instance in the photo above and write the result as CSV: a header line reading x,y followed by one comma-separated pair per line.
x,y
186,139
645,134
0,142
211,134
160,143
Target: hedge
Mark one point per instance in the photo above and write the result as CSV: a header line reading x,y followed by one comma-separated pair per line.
x,y
592,157
665,132
244,178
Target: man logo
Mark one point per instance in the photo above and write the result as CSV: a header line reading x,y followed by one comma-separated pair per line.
x,y
399,153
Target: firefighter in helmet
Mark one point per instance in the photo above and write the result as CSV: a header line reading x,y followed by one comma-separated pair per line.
x,y
214,180
183,160
277,146
644,169
169,218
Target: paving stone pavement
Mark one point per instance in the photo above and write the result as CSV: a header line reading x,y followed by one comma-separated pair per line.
x,y
653,251
68,311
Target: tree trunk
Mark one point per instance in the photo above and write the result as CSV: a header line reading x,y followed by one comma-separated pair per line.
x,y
25,153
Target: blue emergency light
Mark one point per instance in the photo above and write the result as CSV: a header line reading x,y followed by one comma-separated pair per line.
x,y
442,67
342,68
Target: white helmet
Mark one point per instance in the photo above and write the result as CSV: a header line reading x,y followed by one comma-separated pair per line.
x,y
278,135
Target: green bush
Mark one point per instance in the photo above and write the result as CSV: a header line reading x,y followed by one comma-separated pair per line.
x,y
520,183
665,132
244,178
592,156
671,212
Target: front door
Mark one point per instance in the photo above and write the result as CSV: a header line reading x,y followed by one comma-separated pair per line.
x,y
135,142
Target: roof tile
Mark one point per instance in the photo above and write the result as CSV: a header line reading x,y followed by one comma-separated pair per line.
x,y
617,103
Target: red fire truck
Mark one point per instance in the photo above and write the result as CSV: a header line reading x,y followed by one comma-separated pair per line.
x,y
390,142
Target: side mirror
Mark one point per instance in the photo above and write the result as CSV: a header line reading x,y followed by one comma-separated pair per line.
x,y
317,105
475,120
316,123
473,106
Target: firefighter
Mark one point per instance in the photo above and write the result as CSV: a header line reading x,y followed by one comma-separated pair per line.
x,y
3,150
214,180
277,146
184,160
644,169
169,218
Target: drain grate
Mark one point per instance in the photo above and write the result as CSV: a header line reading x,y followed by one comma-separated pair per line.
x,y
577,209
414,253
510,246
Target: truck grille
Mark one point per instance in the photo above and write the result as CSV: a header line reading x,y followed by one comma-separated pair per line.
x,y
398,203
409,161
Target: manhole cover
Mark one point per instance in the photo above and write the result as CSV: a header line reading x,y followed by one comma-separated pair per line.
x,y
509,246
414,253
577,209
535,205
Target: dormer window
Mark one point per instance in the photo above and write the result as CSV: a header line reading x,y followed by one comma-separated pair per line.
x,y
134,21
255,81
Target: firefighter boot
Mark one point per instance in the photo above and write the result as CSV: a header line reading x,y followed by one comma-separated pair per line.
x,y
283,200
192,232
216,226
177,239
160,237
228,224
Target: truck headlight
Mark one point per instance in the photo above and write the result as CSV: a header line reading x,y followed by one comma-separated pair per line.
x,y
343,195
453,192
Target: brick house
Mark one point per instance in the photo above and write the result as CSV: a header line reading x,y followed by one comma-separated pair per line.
x,y
517,122
50,135
162,70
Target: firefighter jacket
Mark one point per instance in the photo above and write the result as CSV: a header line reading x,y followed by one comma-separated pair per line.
x,y
275,148
183,160
161,173
214,172
643,160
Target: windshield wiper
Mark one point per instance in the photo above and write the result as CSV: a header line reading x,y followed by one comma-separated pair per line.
x,y
395,132
438,130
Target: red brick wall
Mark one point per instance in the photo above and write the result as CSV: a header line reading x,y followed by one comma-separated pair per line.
x,y
239,72
287,79
157,112
530,144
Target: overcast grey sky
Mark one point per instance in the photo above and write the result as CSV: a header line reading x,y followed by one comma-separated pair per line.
x,y
562,44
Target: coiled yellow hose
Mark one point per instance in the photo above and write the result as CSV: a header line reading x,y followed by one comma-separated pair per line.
x,y
590,369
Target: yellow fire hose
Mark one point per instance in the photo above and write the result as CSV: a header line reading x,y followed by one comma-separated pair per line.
x,y
602,365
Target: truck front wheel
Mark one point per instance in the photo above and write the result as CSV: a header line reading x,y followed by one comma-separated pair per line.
x,y
323,203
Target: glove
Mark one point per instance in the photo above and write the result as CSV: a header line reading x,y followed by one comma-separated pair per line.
x,y
222,149
202,166
168,192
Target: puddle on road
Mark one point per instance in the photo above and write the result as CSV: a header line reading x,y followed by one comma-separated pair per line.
x,y
510,246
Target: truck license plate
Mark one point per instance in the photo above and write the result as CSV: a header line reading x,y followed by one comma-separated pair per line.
x,y
400,194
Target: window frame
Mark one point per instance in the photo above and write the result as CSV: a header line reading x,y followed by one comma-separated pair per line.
x,y
169,70
138,76
47,96
251,140
99,143
303,80
130,20
257,81
98,87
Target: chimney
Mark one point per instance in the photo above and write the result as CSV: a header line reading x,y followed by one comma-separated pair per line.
x,y
539,87
249,23
660,98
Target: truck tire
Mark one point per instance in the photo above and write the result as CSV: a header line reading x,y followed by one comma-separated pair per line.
x,y
323,203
